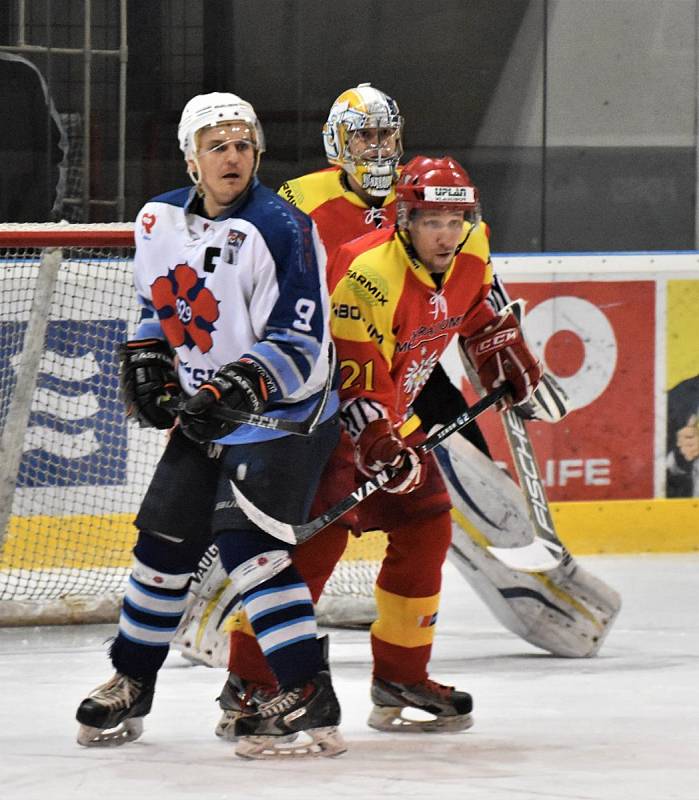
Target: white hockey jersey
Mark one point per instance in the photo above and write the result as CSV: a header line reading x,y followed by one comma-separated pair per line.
x,y
249,283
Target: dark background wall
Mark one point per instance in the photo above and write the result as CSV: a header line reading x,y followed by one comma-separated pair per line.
x,y
576,118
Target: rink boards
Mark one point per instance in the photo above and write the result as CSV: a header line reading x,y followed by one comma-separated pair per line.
x,y
618,330
625,526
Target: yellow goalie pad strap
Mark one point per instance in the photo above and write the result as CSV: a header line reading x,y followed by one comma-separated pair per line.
x,y
405,621
238,622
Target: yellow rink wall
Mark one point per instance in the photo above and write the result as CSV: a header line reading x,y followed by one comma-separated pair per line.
x,y
79,541
613,526
628,526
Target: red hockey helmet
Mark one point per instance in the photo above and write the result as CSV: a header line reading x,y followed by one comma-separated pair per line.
x,y
436,183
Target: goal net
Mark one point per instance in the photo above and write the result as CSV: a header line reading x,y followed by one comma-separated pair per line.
x,y
72,469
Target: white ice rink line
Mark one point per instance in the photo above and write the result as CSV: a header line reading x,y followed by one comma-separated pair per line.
x,y
622,726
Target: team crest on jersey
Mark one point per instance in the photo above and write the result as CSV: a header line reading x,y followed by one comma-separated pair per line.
x,y
186,308
418,372
231,249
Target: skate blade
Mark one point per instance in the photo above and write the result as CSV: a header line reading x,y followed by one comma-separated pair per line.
x,y
313,743
128,731
410,720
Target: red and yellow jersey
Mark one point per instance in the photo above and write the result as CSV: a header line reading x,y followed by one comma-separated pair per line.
x,y
339,213
391,322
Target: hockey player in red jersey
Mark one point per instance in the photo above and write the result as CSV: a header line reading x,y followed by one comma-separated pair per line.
x,y
415,288
363,141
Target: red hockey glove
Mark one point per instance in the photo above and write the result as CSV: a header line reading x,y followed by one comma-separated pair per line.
x,y
499,353
380,445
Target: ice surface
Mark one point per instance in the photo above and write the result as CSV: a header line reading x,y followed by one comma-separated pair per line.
x,y
622,726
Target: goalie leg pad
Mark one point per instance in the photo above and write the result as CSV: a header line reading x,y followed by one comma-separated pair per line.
x,y
482,492
565,611
202,636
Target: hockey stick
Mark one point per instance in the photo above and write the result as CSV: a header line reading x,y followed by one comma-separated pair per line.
x,y
303,427
546,551
296,534
546,540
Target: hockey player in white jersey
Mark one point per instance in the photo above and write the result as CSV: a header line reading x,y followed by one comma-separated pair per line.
x,y
234,321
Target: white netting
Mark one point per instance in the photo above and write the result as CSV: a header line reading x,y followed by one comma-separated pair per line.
x,y
72,471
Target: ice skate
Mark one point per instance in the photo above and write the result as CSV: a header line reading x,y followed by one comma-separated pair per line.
x,y
113,713
238,696
297,722
425,707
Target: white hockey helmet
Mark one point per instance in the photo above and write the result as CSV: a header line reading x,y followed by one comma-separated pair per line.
x,y
357,109
205,110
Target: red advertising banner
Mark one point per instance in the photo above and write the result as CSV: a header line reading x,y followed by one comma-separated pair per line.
x,y
598,339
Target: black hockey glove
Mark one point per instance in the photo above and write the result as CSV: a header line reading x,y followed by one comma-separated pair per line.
x,y
147,374
238,386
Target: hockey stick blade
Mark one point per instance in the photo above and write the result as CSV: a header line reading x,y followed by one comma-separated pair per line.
x,y
303,427
296,534
538,556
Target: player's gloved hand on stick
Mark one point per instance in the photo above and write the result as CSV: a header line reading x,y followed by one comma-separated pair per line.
x,y
146,377
548,403
499,353
380,445
238,386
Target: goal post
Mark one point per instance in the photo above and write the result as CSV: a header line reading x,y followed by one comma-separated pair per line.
x,y
73,469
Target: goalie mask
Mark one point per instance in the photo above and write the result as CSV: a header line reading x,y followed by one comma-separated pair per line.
x,y
436,184
234,115
363,136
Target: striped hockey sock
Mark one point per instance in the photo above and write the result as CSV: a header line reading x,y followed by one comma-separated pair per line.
x,y
281,614
153,606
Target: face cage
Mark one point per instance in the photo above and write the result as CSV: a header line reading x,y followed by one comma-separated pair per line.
x,y
376,176
344,135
